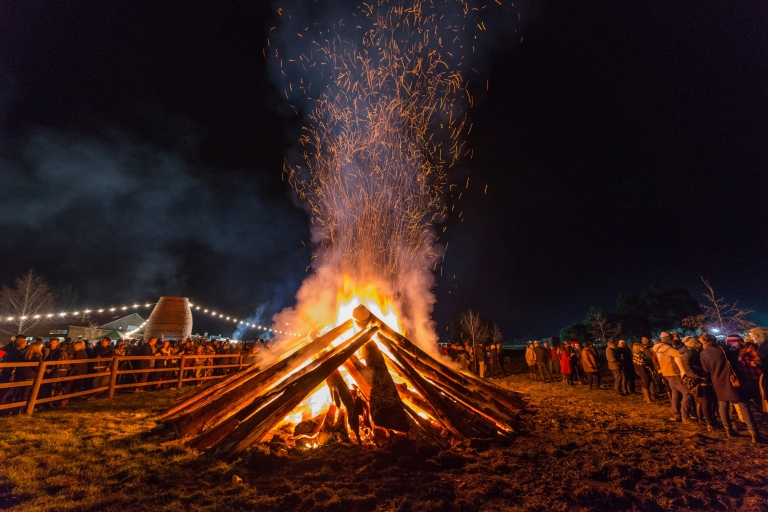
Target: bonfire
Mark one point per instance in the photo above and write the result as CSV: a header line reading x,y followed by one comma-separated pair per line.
x,y
360,382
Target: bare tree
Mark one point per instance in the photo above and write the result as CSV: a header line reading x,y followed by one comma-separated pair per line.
x,y
601,328
729,318
92,331
495,334
694,323
473,325
27,303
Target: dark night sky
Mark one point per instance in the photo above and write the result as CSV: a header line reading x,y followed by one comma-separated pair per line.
x,y
623,144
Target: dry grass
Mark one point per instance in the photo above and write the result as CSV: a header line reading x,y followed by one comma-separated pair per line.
x,y
577,451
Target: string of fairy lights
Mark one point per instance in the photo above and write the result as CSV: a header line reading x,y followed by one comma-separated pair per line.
x,y
62,315
239,322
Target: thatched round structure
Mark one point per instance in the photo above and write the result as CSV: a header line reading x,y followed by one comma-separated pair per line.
x,y
172,317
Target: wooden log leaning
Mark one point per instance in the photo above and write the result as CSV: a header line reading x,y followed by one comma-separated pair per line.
x,y
509,400
252,429
480,422
386,406
352,365
444,411
471,398
239,394
254,377
215,430
336,382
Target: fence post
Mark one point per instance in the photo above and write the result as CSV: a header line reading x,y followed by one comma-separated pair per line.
x,y
181,371
36,387
240,362
113,379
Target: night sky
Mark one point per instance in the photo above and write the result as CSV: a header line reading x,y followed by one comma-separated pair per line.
x,y
622,144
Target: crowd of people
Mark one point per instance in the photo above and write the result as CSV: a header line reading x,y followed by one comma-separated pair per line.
x,y
197,366
484,360
702,378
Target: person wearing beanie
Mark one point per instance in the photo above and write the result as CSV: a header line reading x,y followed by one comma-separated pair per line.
x,y
672,369
716,365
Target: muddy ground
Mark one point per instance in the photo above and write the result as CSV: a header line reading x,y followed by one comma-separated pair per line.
x,y
575,450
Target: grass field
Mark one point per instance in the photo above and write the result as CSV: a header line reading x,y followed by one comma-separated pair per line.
x,y
577,450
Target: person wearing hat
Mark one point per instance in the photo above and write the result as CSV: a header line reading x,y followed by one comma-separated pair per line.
x,y
715,363
672,369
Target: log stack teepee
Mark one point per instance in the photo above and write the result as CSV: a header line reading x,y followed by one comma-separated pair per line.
x,y
393,388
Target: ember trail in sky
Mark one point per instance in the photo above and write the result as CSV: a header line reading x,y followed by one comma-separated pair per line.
x,y
381,137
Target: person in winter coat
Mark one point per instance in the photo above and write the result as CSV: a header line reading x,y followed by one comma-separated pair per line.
x,y
148,349
628,367
481,360
715,363
14,353
554,360
73,386
671,363
691,352
565,363
590,365
576,368
33,354
749,373
760,336
643,369
658,384
105,351
530,360
542,361
616,366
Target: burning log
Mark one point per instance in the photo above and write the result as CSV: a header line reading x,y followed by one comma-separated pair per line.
x,y
242,392
510,401
227,418
336,383
253,428
470,398
386,406
444,413
218,430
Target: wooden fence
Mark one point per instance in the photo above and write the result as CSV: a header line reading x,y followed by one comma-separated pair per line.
x,y
176,366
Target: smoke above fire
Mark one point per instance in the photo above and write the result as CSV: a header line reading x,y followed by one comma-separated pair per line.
x,y
386,96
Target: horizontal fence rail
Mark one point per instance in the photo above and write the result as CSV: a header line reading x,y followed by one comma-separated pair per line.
x,y
181,368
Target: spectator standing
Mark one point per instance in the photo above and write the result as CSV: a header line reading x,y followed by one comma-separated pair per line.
x,y
530,360
589,363
542,361
14,353
565,363
715,363
760,336
644,369
671,363
104,351
615,365
33,354
148,349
